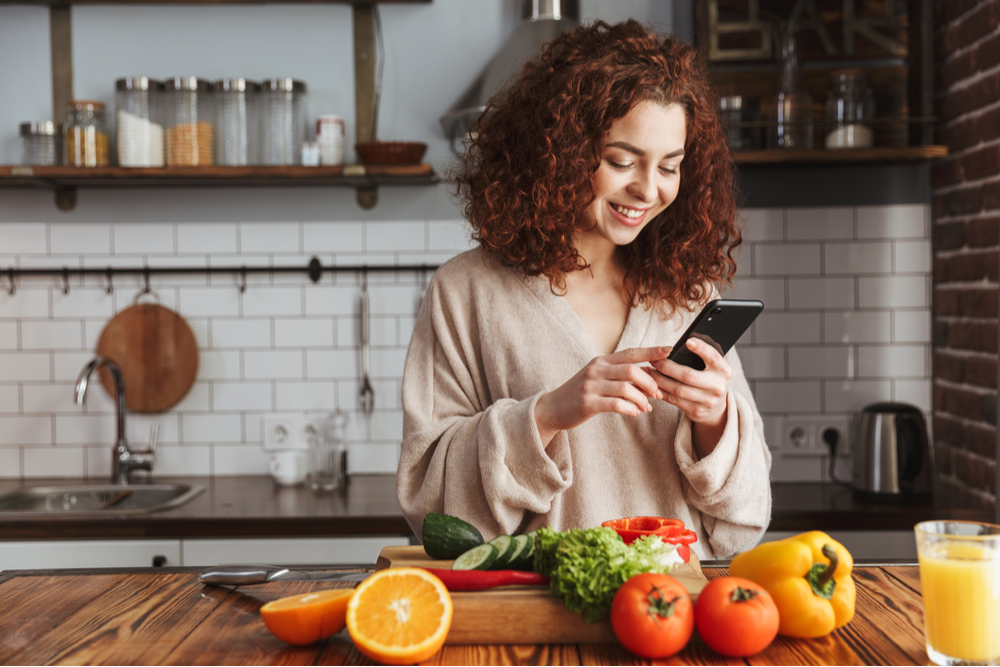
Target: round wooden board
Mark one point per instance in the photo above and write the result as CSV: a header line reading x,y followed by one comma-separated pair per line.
x,y
157,352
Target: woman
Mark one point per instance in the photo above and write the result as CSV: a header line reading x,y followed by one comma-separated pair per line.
x,y
536,389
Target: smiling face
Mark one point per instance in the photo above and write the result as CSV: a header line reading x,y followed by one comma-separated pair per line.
x,y
637,179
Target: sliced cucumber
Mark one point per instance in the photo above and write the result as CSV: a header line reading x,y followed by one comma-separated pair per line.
x,y
505,545
522,544
481,557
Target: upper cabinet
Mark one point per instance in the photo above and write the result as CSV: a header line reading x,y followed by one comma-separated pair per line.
x,y
365,179
822,81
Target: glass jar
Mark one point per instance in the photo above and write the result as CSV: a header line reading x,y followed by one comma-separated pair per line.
x,y
190,118
283,121
139,122
38,143
850,110
237,135
85,135
788,114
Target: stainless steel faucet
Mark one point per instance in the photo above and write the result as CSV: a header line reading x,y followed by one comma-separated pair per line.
x,y
123,459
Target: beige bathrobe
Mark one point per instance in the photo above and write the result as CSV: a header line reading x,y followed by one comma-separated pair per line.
x,y
487,343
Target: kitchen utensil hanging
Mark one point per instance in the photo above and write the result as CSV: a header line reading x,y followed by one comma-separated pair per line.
x,y
156,350
367,394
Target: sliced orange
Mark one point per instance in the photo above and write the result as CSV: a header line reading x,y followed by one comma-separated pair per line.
x,y
400,615
304,619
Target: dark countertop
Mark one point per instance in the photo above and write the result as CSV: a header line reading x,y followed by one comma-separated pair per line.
x,y
255,507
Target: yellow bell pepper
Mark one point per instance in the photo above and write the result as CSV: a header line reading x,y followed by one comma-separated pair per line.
x,y
797,573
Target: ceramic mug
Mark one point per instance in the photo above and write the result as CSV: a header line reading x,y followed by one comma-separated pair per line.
x,y
289,468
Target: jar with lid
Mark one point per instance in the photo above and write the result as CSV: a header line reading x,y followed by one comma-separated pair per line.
x,y
237,126
850,110
139,121
85,135
38,143
283,121
190,121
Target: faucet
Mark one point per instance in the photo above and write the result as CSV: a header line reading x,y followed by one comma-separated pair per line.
x,y
123,459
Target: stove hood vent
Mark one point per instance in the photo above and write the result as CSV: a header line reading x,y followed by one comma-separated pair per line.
x,y
541,22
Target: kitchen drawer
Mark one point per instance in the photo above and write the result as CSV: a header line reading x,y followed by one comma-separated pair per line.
x,y
287,551
42,555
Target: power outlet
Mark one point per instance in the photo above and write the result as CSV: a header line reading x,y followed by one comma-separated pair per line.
x,y
798,438
290,431
807,436
839,427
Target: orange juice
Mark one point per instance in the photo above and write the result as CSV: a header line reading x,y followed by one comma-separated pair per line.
x,y
961,591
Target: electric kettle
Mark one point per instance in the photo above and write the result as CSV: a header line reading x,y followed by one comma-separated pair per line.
x,y
892,456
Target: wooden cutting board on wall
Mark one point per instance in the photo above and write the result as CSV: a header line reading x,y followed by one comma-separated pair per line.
x,y
521,614
157,352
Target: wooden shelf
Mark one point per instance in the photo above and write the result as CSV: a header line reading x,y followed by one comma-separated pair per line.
x,y
841,156
352,175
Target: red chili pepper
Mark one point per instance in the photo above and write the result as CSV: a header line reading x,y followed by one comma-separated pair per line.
x,y
477,580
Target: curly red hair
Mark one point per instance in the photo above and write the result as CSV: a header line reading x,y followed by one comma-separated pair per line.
x,y
526,178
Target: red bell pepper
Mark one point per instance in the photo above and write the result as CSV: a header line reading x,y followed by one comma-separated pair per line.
x,y
477,580
669,530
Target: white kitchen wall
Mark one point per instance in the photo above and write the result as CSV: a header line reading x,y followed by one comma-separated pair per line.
x,y
846,323
846,320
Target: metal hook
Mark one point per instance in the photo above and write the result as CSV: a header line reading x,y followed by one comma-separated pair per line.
x,y
110,288
10,276
65,275
145,276
243,279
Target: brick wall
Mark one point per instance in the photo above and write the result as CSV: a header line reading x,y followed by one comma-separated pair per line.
x,y
966,247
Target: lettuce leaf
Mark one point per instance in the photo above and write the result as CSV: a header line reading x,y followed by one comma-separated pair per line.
x,y
587,566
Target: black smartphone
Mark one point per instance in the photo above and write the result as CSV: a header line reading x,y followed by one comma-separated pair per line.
x,y
720,324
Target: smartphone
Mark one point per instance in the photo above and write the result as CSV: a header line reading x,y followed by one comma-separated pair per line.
x,y
720,324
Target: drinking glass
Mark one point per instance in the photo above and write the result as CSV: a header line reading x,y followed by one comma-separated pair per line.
x,y
960,578
327,452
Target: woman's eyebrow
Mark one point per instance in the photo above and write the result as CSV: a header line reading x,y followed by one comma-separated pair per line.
x,y
624,145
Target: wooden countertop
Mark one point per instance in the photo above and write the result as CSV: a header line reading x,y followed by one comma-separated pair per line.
x,y
256,507
168,618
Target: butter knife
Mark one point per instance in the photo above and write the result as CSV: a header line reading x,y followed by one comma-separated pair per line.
x,y
244,575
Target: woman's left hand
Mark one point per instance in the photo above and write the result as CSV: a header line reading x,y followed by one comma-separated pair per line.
x,y
701,395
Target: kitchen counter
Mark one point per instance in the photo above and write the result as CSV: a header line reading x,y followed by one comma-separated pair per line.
x,y
166,617
256,507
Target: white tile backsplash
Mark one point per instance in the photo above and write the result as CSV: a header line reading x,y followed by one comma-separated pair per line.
x,y
896,222
787,259
143,239
858,258
807,224
893,291
269,237
27,239
846,323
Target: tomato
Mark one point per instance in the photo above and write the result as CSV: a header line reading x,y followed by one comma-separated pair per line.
x,y
736,617
652,615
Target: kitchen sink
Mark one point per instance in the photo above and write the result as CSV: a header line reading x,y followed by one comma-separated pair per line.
x,y
97,498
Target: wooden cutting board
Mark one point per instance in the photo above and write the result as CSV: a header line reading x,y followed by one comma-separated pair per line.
x,y
157,352
521,614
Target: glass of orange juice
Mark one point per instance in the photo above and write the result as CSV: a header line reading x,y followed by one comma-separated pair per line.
x,y
960,578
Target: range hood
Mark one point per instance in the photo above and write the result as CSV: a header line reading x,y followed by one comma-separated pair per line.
x,y
541,21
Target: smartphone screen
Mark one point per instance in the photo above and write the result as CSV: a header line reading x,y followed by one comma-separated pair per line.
x,y
720,324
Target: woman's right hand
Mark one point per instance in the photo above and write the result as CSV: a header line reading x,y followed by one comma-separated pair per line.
x,y
609,383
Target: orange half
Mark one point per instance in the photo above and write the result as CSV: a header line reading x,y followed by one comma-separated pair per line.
x,y
399,616
307,618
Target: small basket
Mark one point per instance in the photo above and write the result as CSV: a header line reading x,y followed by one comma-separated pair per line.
x,y
390,152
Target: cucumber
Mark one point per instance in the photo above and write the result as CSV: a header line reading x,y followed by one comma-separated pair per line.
x,y
481,557
448,537
506,546
522,556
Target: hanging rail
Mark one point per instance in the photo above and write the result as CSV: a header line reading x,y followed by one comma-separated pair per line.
x,y
314,269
